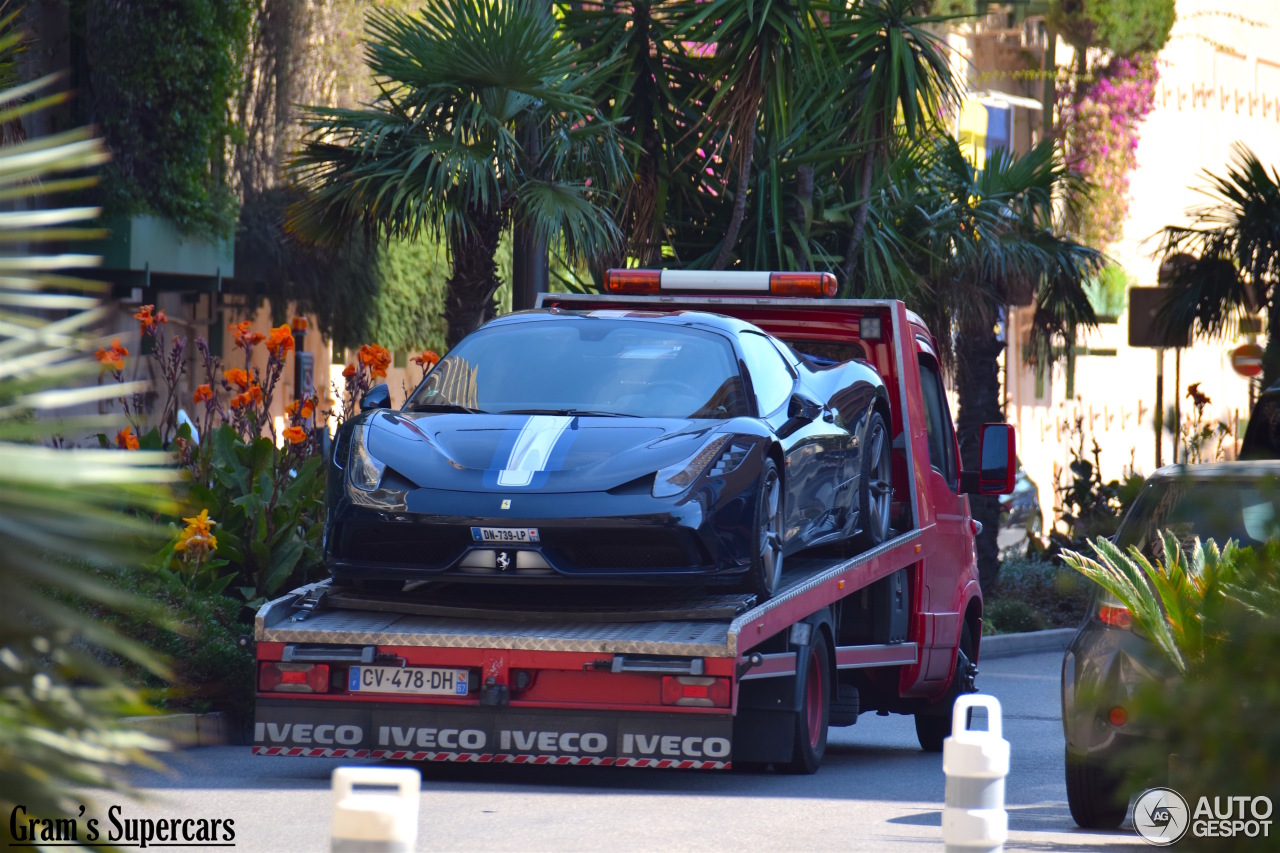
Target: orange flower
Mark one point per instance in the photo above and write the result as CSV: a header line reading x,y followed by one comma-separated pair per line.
x,y
114,357
237,376
255,392
126,440
307,408
203,394
298,324
295,434
148,320
348,371
245,339
239,401
280,341
426,360
376,358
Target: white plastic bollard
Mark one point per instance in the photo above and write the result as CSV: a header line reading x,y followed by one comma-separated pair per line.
x,y
976,763
375,821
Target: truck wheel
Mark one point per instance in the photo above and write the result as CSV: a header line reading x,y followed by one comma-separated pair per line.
x,y
815,713
875,486
765,575
934,725
1094,794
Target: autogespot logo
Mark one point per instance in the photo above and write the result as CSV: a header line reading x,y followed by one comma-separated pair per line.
x,y
1161,816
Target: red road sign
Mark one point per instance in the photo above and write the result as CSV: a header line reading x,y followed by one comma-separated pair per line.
x,y
1247,359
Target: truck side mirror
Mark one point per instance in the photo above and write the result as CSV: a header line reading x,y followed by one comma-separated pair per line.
x,y
998,470
377,397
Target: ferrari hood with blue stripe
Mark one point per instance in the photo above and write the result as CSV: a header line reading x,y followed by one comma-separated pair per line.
x,y
543,453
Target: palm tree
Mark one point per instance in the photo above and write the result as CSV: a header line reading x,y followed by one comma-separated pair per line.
x,y
997,242
1234,246
897,71
440,150
62,511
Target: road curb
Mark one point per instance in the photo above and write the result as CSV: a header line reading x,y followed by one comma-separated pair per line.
x,y
1029,642
185,731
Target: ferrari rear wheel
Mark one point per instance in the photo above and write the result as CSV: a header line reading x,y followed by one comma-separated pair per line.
x,y
765,575
875,486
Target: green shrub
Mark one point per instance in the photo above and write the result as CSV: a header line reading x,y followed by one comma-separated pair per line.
x,y
1009,616
199,637
1055,592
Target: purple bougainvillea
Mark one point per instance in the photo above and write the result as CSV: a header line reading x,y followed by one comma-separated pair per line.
x,y
1098,121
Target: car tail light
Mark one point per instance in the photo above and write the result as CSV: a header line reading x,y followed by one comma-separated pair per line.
x,y
1118,716
294,678
1115,615
699,691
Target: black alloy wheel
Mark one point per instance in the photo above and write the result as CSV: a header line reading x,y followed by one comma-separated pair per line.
x,y
765,575
875,484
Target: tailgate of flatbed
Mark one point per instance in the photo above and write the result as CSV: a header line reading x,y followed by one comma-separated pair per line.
x,y
810,584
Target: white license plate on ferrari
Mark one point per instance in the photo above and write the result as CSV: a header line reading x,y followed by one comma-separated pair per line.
x,y
417,680
504,534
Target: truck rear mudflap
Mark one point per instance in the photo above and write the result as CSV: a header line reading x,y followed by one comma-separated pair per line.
x,y
398,731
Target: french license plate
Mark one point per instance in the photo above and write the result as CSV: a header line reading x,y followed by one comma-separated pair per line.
x,y
504,534
420,681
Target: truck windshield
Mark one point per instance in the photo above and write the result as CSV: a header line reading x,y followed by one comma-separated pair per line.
x,y
588,366
1220,508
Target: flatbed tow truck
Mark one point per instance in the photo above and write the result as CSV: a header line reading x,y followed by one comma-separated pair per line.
x,y
640,677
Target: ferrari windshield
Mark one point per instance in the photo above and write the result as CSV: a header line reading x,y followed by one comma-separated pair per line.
x,y
588,366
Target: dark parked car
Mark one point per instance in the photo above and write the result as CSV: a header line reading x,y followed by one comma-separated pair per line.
x,y
1109,660
611,446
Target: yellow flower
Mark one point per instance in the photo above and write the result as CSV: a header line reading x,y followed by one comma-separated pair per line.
x,y
197,537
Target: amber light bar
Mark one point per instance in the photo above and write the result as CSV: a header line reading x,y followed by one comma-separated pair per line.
x,y
636,282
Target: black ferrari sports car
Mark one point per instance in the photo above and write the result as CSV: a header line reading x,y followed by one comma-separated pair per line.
x,y
611,447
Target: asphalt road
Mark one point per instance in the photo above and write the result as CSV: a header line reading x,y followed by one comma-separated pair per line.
x,y
876,792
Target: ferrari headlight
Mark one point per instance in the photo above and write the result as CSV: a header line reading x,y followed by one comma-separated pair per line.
x,y
366,472
676,478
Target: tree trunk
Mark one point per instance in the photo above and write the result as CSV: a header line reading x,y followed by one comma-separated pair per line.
x,y
861,214
1271,355
801,211
978,389
739,199
474,277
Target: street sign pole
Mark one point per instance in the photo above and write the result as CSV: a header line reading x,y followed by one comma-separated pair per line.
x,y
1159,406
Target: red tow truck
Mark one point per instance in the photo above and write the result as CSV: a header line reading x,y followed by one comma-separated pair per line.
x,y
670,678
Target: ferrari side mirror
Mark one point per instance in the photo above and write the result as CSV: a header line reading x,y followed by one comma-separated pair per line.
x,y
998,471
803,408
377,397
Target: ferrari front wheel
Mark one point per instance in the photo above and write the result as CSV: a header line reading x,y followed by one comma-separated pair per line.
x,y
765,575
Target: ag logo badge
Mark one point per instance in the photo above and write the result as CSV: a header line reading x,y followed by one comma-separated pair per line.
x,y
1161,816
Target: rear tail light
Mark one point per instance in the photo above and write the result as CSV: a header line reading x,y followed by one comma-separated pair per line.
x,y
1118,716
294,678
1115,615
697,691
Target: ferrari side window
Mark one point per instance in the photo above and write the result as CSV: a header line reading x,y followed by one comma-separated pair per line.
x,y
771,376
937,421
